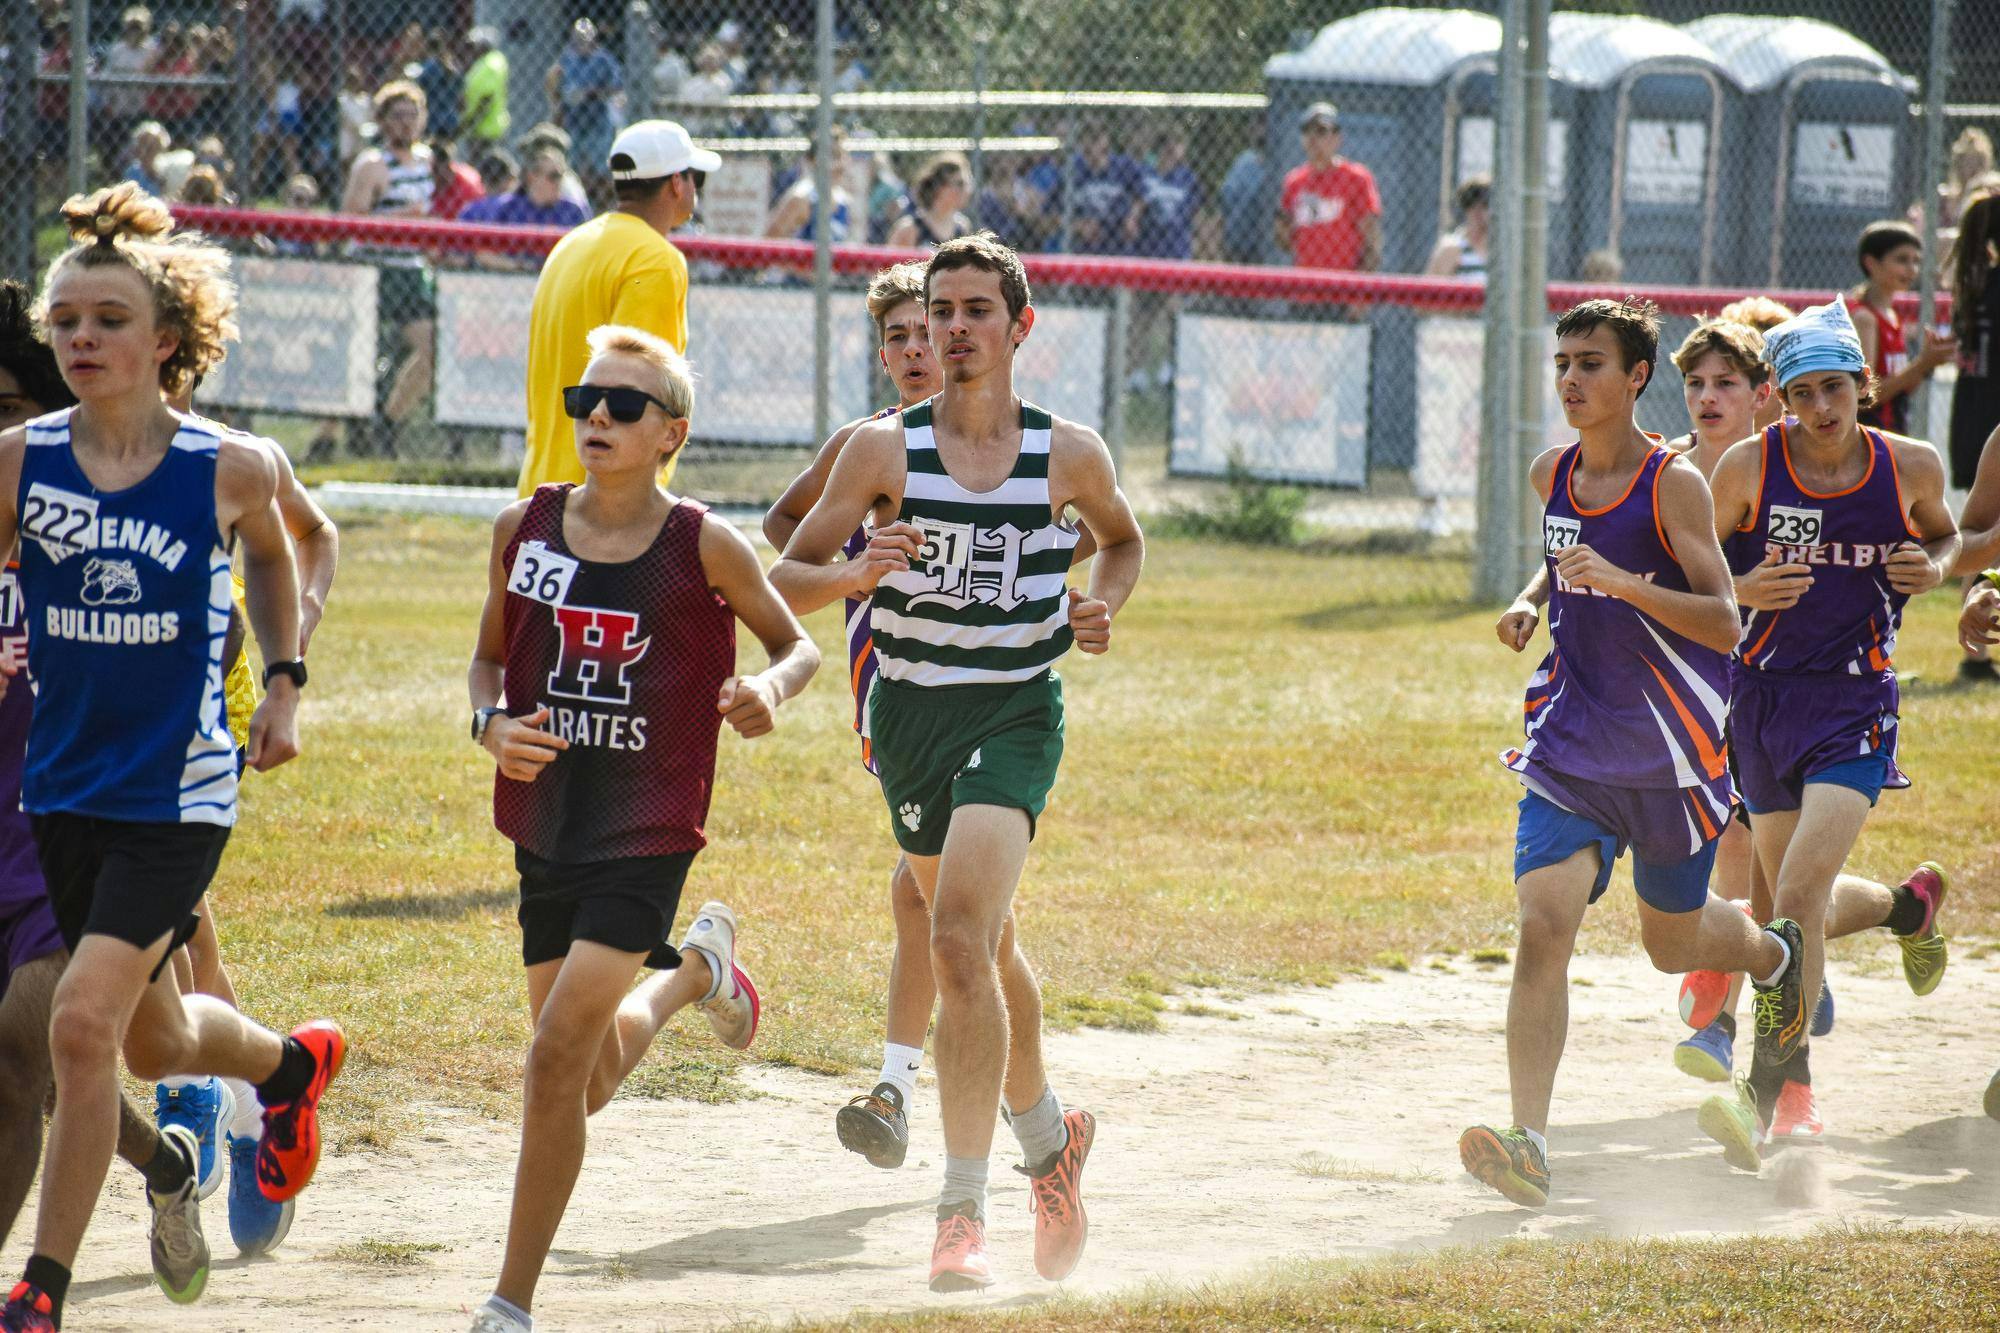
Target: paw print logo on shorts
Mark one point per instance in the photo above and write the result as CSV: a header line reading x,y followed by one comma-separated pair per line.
x,y
913,814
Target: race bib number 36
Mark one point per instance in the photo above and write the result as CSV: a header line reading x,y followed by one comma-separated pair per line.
x,y
541,575
57,519
1795,527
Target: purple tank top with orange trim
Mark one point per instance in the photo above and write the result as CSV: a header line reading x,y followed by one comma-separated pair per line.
x,y
1621,699
1847,621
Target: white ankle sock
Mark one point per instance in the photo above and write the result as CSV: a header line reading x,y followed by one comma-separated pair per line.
x,y
506,1309
248,1122
900,1067
1786,962
176,1081
1539,1139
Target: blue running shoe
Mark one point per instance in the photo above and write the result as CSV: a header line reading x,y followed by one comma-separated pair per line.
x,y
1709,1054
202,1109
1823,1011
255,1223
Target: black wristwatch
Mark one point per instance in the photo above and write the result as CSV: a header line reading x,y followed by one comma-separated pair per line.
x,y
294,670
480,718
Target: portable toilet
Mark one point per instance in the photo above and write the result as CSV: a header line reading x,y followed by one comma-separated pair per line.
x,y
1398,76
1391,72
1653,109
1828,145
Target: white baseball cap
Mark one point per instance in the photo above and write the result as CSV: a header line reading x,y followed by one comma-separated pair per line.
x,y
649,149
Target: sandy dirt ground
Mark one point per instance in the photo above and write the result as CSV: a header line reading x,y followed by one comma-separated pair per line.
x,y
1305,1123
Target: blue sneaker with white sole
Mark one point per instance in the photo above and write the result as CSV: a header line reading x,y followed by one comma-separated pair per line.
x,y
1709,1054
202,1109
255,1223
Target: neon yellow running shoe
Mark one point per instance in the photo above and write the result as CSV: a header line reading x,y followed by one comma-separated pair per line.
x,y
1733,1122
1509,1161
1924,953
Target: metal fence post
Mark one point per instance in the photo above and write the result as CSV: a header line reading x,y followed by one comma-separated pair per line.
x,y
79,96
240,119
1531,289
1937,76
823,229
1495,580
1116,369
17,229
641,50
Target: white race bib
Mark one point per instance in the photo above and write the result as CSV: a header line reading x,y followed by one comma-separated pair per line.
x,y
541,575
57,519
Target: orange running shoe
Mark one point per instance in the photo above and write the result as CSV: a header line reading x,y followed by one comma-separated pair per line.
x,y
958,1259
289,1151
1055,1196
1704,993
1797,1116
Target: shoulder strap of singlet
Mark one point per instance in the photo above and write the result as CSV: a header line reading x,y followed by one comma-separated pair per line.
x,y
1565,464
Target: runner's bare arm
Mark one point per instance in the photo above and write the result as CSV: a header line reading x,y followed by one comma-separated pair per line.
x,y
365,182
1706,612
792,507
1081,476
246,502
318,543
750,703
1769,585
1516,625
1979,522
518,745
1920,473
867,476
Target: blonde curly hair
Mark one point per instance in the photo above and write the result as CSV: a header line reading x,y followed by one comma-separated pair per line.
x,y
194,297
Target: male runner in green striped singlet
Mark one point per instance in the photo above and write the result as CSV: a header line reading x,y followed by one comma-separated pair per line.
x,y
970,556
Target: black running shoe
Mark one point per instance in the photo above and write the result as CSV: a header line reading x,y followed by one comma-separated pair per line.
x,y
1780,1010
873,1125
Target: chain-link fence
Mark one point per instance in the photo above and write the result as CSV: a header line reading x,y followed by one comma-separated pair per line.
x,y
1266,227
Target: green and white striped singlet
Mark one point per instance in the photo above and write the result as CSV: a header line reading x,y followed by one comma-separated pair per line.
x,y
984,601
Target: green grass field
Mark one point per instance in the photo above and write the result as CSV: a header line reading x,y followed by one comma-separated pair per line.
x,y
1283,772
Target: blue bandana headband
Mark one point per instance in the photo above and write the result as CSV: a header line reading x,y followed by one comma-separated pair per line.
x,y
1821,337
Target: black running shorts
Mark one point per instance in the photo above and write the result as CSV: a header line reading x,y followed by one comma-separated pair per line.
x,y
626,904
134,882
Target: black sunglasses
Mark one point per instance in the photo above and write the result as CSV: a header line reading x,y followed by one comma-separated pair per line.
x,y
626,405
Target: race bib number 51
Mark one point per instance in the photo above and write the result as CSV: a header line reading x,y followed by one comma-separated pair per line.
x,y
946,545
541,575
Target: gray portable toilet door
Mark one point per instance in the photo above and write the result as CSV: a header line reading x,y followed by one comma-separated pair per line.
x,y
1787,146
1622,157
1454,111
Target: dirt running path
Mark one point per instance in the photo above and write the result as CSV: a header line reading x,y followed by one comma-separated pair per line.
x,y
1318,1122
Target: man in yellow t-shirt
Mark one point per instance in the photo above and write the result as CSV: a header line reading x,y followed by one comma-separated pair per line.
x,y
618,268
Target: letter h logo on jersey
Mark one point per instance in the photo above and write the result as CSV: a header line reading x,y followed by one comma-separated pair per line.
x,y
598,647
966,564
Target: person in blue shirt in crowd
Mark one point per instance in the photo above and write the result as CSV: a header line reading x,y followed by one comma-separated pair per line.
x,y
538,202
1246,211
1106,185
580,85
1161,223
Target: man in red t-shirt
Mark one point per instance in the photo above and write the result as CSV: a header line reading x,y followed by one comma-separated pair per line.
x,y
1329,215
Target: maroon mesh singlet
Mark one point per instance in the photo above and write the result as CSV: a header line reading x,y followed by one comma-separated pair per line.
x,y
629,660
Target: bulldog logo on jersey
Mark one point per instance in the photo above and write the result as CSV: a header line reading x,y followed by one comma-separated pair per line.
x,y
963,564
110,582
598,650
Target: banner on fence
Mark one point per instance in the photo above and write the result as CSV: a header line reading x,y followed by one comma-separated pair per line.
x,y
308,344
1286,399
